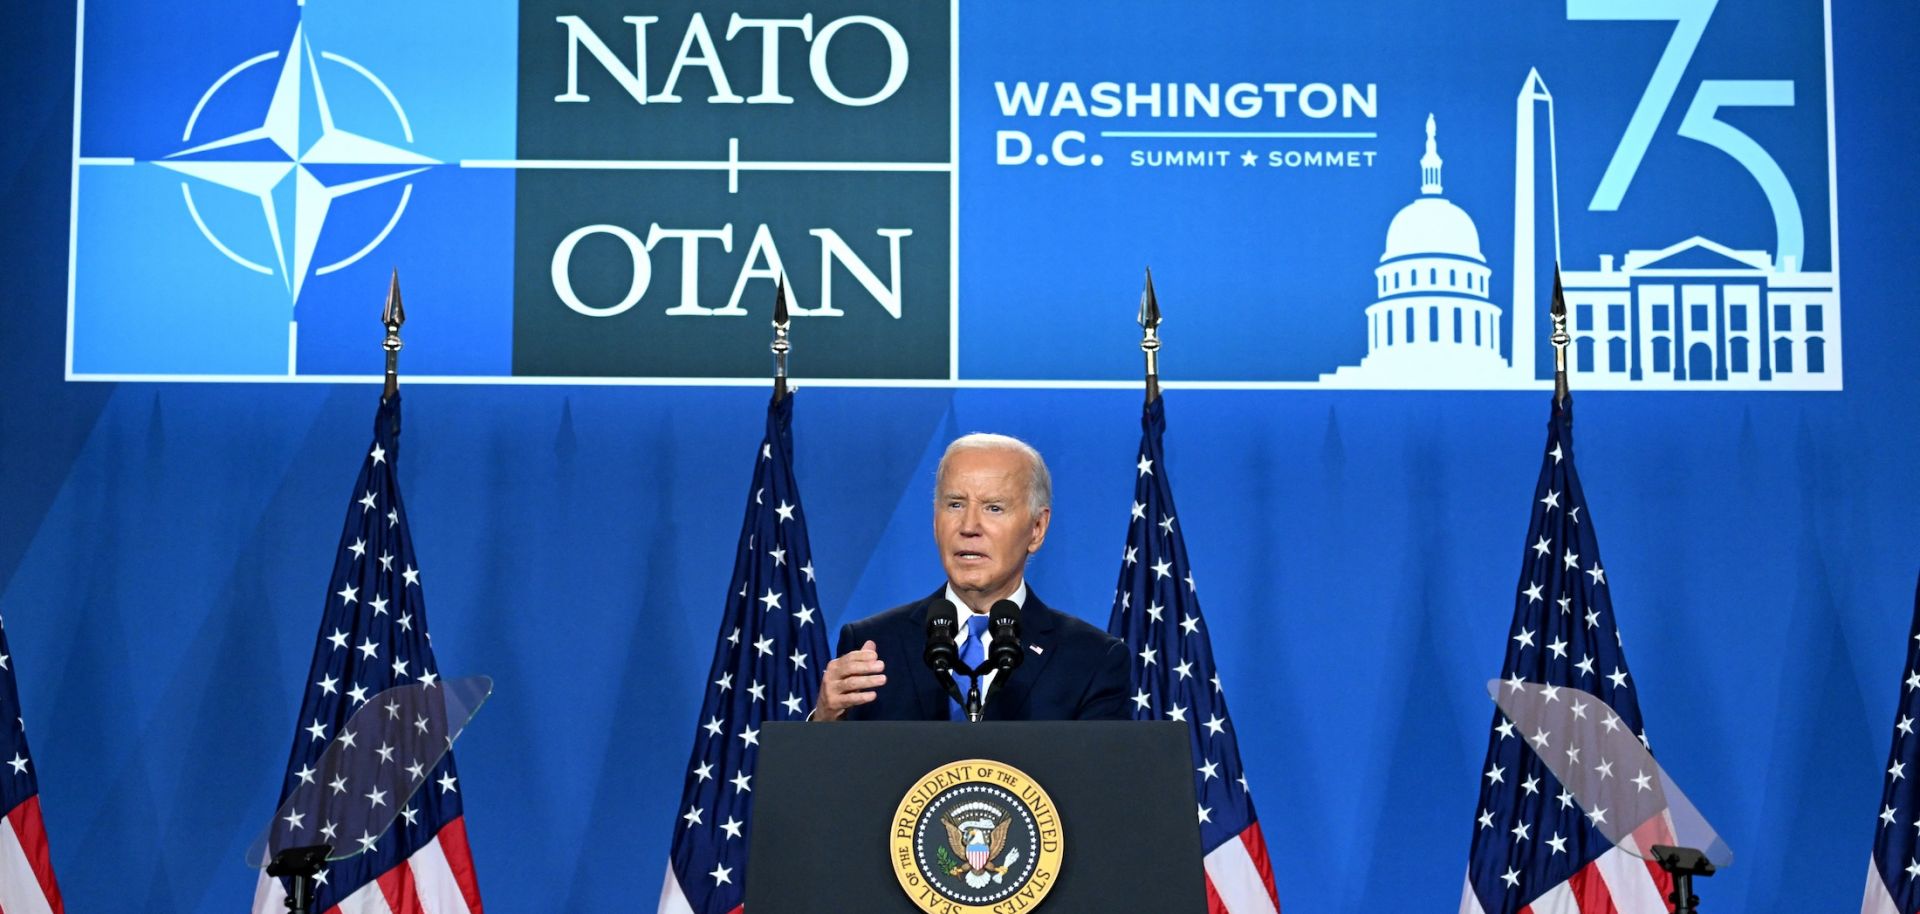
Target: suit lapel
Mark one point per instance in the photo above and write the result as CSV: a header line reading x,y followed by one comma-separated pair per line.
x,y
1011,698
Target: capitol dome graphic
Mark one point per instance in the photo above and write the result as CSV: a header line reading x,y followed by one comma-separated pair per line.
x,y
1431,322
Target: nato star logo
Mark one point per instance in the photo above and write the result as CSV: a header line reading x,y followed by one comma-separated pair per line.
x,y
294,167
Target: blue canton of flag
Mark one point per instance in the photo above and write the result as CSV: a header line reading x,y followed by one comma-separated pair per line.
x,y
1534,849
26,867
1893,875
373,636
1157,613
766,667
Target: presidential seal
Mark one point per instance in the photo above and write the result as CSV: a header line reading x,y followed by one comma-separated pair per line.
x,y
976,837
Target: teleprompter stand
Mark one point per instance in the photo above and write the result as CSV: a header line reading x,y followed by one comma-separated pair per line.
x,y
299,866
1683,863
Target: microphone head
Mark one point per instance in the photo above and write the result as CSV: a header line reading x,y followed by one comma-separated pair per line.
x,y
1004,612
1004,621
943,622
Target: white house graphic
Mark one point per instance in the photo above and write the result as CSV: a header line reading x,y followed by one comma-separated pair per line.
x,y
1701,313
1694,314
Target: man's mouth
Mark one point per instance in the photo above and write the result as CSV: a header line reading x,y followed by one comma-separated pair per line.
x,y
967,556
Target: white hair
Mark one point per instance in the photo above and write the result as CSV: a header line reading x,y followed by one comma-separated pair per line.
x,y
1039,481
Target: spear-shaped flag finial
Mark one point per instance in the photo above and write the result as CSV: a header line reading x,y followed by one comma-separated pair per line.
x,y
1560,340
1150,336
781,345
393,315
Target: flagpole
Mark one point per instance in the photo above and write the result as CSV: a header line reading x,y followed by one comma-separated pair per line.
x,y
1157,613
1150,337
1680,863
781,346
393,315
1560,340
707,862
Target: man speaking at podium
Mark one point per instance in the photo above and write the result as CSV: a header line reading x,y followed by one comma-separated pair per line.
x,y
992,501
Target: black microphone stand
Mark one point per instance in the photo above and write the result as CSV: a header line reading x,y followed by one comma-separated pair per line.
x,y
972,702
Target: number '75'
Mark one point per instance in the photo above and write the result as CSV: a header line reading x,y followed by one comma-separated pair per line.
x,y
1700,123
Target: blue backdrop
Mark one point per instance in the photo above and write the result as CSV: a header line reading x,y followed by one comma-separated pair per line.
x,y
164,552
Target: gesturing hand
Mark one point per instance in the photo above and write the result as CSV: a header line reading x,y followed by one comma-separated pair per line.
x,y
849,681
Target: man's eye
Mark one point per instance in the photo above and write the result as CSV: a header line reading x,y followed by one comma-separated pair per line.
x,y
995,508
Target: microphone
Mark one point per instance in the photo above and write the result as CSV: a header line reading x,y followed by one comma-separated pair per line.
x,y
1004,621
942,653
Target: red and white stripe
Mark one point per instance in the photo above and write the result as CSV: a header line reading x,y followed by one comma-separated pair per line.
x,y
1878,900
1619,882
437,879
674,901
26,870
1239,878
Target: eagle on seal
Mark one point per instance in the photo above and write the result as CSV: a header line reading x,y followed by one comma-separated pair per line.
x,y
974,844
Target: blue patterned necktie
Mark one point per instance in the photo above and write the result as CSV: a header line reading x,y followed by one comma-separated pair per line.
x,y
972,654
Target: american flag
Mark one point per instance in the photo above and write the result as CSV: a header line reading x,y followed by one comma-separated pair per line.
x,y
1534,849
1157,612
373,636
766,666
26,869
1893,875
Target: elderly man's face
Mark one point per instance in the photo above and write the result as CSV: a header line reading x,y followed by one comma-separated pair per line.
x,y
984,524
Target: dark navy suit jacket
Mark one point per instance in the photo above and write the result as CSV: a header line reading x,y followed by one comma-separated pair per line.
x,y
1071,670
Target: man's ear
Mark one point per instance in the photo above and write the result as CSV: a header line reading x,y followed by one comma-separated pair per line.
x,y
1040,522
